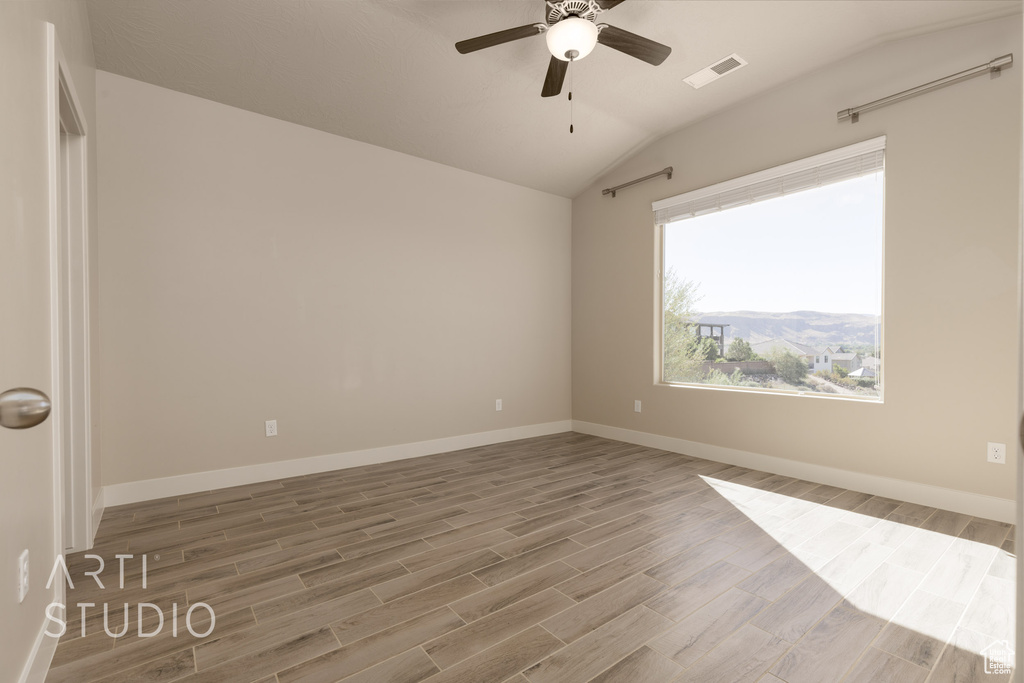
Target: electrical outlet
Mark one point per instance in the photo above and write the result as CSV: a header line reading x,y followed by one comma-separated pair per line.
x,y
271,427
636,406
22,576
497,404
997,453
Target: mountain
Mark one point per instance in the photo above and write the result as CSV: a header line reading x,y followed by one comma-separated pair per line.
x,y
813,328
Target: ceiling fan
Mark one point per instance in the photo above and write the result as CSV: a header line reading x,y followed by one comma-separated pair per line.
x,y
572,32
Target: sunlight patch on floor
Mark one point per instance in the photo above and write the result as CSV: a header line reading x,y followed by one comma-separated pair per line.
x,y
928,585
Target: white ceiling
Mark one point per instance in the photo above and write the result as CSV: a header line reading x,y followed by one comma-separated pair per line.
x,y
387,73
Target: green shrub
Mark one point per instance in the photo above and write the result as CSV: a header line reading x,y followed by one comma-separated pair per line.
x,y
739,350
736,379
707,349
788,366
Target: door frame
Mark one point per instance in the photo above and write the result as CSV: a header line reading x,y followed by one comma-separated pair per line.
x,y
1018,540
71,419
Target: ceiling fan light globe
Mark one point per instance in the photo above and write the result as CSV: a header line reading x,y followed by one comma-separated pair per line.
x,y
571,34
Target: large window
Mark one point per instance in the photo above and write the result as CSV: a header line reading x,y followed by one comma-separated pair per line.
x,y
773,281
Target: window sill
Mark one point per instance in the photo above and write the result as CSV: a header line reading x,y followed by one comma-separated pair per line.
x,y
774,392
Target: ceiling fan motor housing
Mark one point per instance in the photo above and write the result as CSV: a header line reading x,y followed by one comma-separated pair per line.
x,y
584,9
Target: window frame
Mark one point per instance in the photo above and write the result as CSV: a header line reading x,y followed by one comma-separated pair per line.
x,y
879,143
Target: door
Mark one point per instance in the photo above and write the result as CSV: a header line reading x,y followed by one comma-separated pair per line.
x,y
43,300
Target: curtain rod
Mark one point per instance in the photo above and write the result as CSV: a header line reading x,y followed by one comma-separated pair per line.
x,y
665,171
993,67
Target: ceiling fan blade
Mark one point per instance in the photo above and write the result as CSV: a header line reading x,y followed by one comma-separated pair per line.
x,y
608,4
633,45
554,78
492,39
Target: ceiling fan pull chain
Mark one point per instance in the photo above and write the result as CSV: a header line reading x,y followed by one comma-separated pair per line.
x,y
570,96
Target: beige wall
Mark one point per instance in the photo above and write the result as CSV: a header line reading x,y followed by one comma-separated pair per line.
x,y
951,254
253,269
26,489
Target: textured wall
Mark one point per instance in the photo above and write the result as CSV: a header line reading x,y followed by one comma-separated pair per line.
x,y
253,269
951,268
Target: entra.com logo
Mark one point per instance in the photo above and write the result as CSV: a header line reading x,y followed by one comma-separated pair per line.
x,y
56,612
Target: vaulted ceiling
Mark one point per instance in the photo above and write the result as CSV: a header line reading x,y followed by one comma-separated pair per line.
x,y
386,71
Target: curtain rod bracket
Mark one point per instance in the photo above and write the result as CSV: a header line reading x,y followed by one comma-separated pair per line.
x,y
667,171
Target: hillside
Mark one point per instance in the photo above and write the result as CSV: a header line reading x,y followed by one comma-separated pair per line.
x,y
813,328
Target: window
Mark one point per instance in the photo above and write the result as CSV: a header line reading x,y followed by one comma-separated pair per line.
x,y
763,275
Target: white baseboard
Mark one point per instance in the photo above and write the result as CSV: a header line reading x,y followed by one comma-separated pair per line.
x,y
150,489
977,505
38,664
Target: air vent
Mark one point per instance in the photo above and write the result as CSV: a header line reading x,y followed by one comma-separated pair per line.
x,y
715,71
724,67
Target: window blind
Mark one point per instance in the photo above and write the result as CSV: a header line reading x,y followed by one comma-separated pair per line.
x,y
846,163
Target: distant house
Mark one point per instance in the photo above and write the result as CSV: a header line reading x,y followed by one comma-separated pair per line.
x,y
803,351
872,363
863,373
823,358
816,359
846,361
835,357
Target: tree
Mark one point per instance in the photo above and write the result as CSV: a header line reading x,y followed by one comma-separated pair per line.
x,y
682,350
739,350
788,366
705,348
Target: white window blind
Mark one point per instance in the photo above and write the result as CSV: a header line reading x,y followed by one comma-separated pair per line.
x,y
831,167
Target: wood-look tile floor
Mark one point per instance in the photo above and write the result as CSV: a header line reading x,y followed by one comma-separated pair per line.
x,y
550,560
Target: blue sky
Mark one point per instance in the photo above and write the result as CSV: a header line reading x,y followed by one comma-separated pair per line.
x,y
819,250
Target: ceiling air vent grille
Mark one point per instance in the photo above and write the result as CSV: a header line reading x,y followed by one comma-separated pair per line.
x,y
715,71
729,64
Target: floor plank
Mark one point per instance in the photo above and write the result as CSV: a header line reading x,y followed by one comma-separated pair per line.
x,y
372,650
829,649
600,649
494,628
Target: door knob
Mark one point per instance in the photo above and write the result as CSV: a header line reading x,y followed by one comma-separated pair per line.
x,y
22,408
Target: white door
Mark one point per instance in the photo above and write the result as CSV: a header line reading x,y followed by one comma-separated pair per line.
x,y
44,334
26,455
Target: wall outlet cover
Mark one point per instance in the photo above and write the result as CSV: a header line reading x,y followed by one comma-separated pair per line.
x,y
271,427
997,453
